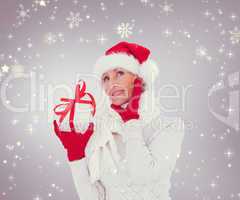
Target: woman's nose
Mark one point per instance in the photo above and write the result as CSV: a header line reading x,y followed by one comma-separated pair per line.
x,y
113,80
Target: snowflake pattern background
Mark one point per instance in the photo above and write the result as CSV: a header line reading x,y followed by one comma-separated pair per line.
x,y
46,45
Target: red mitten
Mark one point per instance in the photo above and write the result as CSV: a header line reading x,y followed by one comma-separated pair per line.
x,y
131,111
75,143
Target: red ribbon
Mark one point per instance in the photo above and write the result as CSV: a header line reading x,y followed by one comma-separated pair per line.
x,y
70,105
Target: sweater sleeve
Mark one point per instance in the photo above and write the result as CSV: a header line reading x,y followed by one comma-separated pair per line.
x,y
155,158
84,188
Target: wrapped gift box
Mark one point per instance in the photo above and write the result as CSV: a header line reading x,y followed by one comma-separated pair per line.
x,y
76,114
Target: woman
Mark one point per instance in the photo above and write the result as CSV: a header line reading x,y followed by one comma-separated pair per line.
x,y
130,150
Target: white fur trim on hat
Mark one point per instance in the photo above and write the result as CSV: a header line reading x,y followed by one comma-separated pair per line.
x,y
114,60
148,70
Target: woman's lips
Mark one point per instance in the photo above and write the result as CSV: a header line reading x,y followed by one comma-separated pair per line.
x,y
117,92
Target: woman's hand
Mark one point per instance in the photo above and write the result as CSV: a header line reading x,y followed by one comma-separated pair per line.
x,y
133,105
74,143
131,111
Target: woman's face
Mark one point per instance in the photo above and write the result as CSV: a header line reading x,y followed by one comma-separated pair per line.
x,y
118,85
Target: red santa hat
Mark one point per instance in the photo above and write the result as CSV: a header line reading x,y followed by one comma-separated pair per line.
x,y
130,56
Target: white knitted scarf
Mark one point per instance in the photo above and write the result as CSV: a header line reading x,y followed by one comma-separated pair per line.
x,y
102,142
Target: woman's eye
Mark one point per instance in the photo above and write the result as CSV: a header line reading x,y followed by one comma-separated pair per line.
x,y
120,73
105,78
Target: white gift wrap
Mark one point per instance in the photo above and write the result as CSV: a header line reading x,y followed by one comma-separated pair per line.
x,y
81,120
82,117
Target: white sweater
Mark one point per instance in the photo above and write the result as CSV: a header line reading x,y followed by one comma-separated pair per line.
x,y
148,155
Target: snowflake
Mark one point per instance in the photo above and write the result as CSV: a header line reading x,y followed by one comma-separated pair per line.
x,y
124,30
167,33
213,184
50,38
207,14
23,14
37,198
11,178
147,3
74,20
166,8
75,2
233,17
229,153
201,51
235,35
101,39
103,7
186,34
9,147
60,37
229,54
144,1
39,3
5,68
220,12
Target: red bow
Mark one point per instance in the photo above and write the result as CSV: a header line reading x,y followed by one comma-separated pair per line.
x,y
70,105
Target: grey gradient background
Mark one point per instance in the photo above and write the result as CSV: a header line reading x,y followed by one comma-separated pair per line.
x,y
33,164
